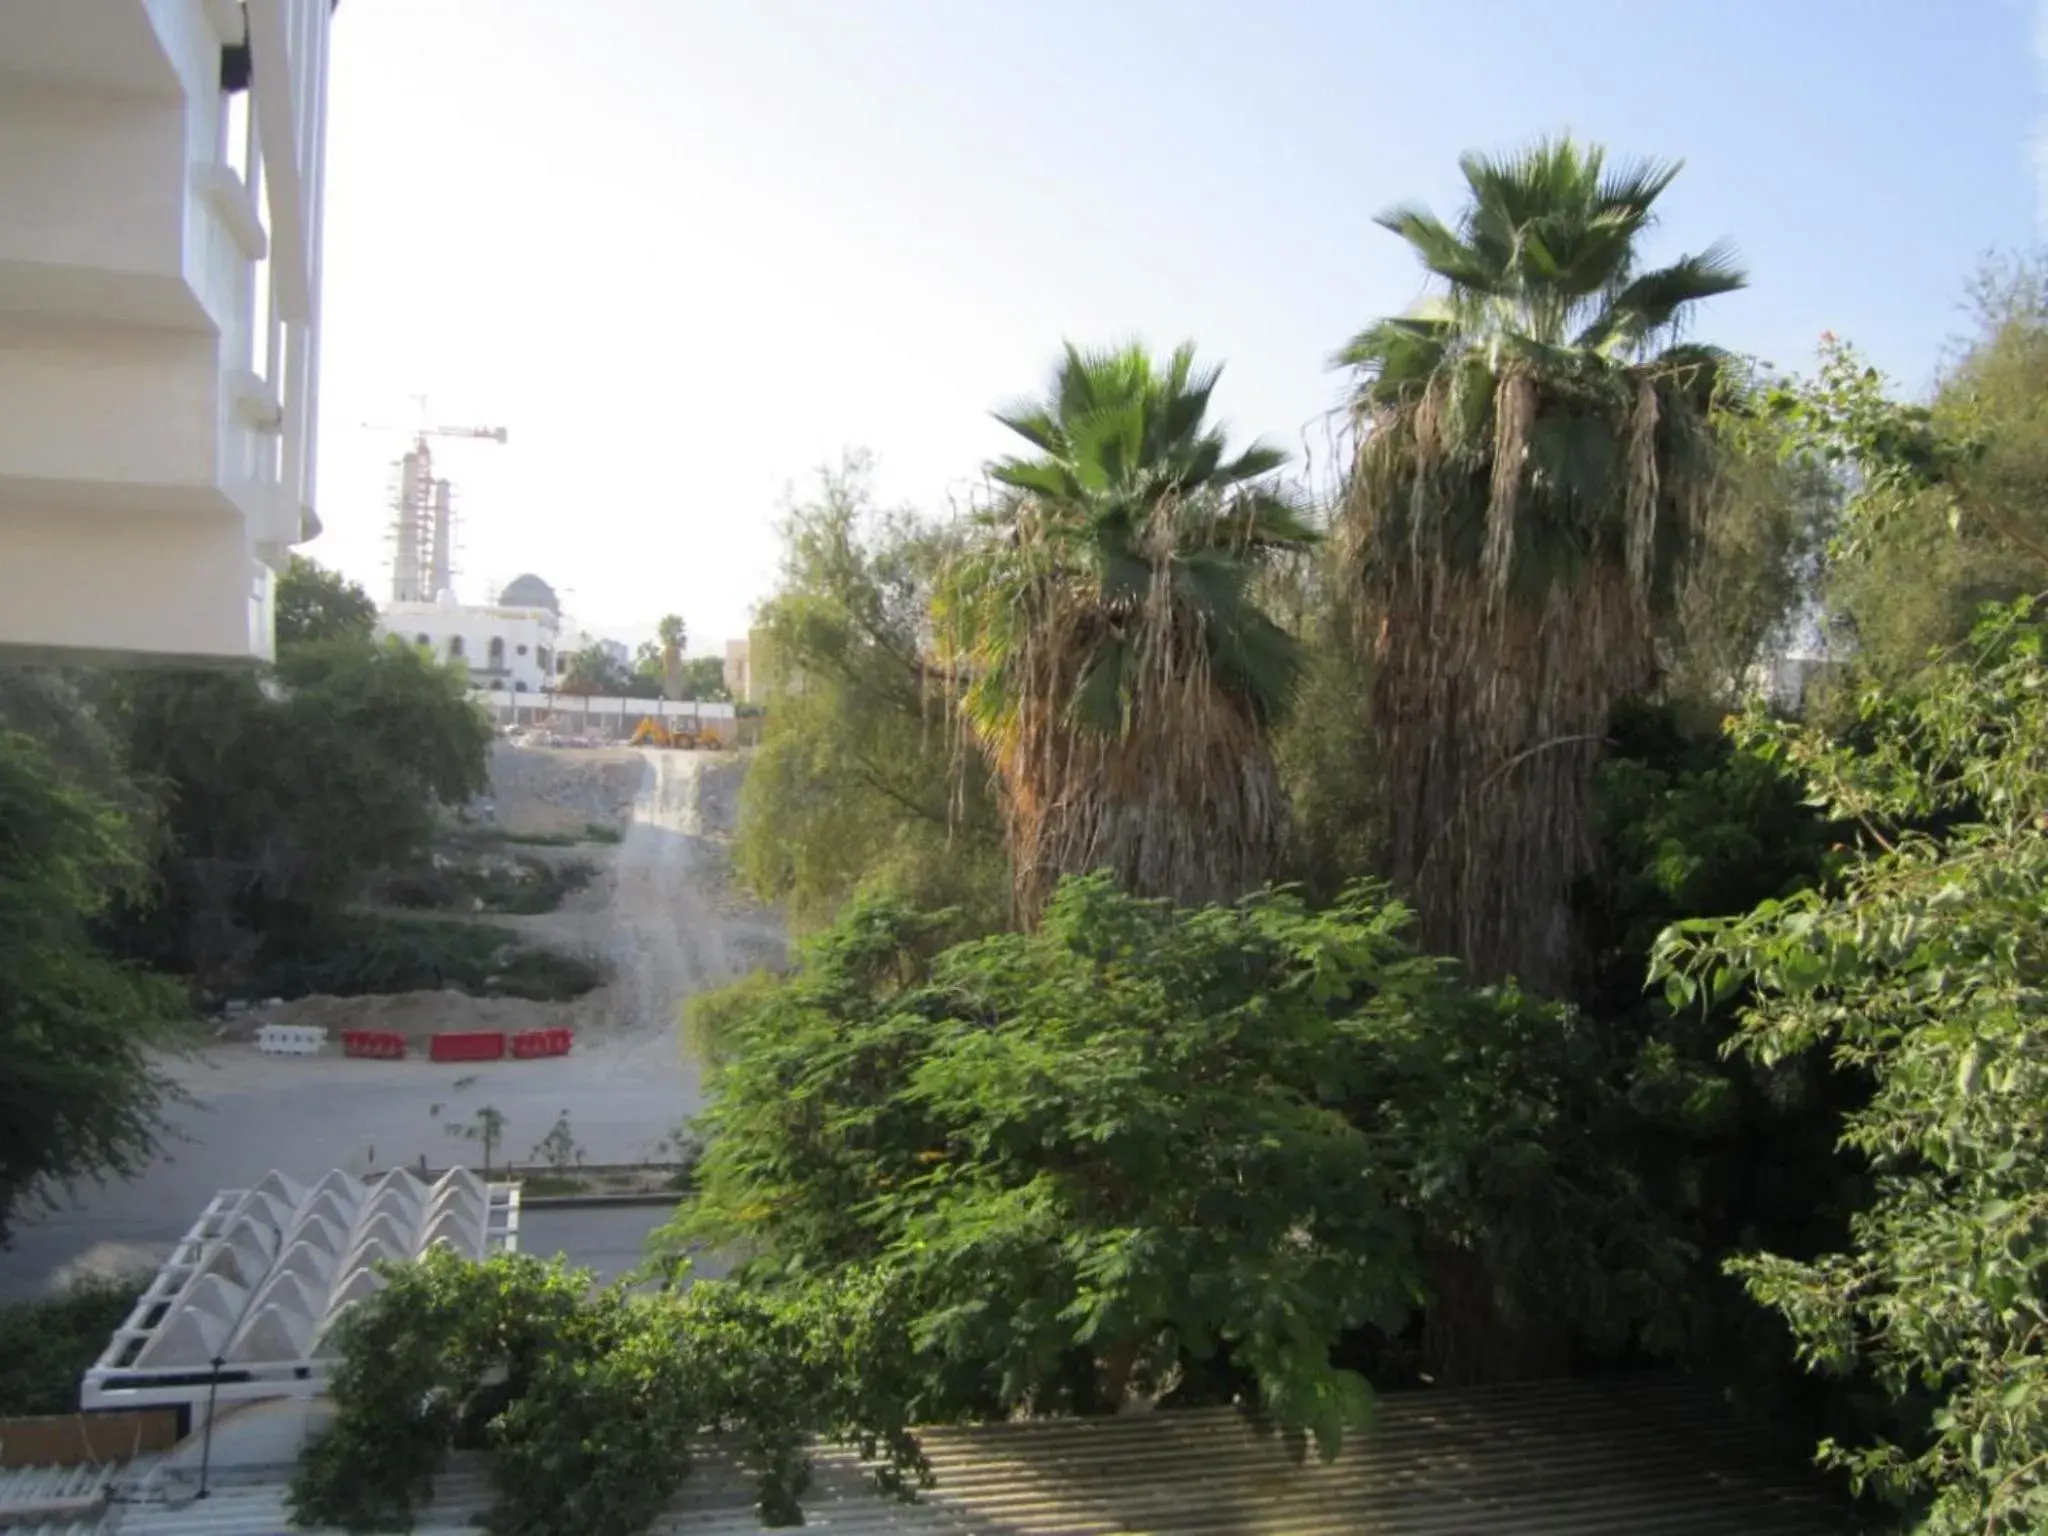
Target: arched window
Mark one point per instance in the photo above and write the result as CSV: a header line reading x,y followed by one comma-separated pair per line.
x,y
522,650
497,654
543,658
426,641
454,647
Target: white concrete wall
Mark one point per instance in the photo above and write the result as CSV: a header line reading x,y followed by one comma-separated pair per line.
x,y
191,592
529,637
155,430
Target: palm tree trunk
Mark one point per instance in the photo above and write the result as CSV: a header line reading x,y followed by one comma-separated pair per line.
x,y
1494,714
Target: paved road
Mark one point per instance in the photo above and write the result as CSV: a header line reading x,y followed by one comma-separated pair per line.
x,y
608,1239
254,1113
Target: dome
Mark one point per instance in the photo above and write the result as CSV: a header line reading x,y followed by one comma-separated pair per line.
x,y
529,591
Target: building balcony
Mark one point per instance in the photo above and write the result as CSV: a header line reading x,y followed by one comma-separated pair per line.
x,y
159,302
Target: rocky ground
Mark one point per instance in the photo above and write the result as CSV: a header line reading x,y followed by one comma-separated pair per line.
x,y
543,791
661,916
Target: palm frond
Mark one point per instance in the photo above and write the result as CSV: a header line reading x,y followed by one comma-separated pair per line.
x,y
1121,677
1652,302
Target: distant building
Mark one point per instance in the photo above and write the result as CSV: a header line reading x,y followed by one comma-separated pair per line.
x,y
752,672
519,644
739,671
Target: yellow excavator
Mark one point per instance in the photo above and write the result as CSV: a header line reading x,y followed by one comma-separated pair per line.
x,y
651,732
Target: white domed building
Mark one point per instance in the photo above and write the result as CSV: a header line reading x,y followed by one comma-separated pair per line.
x,y
513,645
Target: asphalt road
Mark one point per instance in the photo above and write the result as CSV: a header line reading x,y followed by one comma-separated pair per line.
x,y
303,1117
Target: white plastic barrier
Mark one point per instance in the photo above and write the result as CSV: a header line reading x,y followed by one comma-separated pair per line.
x,y
290,1039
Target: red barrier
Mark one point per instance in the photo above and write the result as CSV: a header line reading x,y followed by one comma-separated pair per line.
x,y
379,1043
471,1045
529,1044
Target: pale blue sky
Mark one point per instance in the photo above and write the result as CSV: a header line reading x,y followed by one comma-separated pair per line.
x,y
686,250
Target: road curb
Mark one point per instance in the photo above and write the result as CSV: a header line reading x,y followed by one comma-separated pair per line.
x,y
667,1197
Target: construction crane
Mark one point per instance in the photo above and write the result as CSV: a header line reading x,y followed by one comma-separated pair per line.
x,y
423,514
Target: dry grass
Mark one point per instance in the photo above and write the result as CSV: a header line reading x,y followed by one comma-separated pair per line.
x,y
1179,796
1508,614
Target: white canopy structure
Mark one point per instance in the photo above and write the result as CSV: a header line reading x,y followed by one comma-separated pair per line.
x,y
245,1306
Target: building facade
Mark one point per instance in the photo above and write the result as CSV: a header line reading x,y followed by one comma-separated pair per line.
x,y
160,168
515,649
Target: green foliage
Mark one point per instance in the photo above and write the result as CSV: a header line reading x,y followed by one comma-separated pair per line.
x,y
593,671
660,668
1922,971
1144,1140
348,954
1769,513
281,798
47,1344
703,678
1326,747
593,832
521,885
314,603
1542,264
79,1095
1946,506
1534,472
587,1403
486,1128
853,783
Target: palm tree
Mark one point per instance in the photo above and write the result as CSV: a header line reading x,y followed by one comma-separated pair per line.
x,y
1532,465
1120,674
672,633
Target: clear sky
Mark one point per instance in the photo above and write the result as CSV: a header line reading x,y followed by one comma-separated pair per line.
x,y
688,250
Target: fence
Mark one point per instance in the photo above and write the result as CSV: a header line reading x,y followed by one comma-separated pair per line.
x,y
290,1039
468,1045
614,719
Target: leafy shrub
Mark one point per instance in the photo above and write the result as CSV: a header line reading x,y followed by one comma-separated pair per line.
x,y
46,1345
80,1096
586,1404
1923,970
353,954
1149,1140
593,832
522,885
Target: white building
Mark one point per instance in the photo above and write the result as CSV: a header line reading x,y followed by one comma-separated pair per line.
x,y
160,206
514,644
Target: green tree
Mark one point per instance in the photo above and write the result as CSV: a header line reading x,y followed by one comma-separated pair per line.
x,y
672,634
1533,462
1122,679
1922,972
703,678
80,1097
314,603
1146,1142
593,672
1946,504
588,1403
853,783
280,796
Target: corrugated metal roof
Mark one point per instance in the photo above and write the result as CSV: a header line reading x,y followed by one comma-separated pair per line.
x,y
1576,1458
1562,1457
26,1488
717,1500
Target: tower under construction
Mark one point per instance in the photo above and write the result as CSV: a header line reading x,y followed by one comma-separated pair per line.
x,y
423,519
